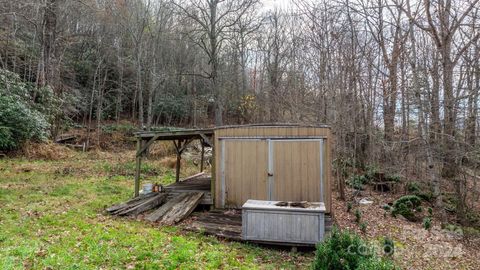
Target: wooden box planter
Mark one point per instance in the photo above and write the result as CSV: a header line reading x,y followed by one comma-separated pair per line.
x,y
263,221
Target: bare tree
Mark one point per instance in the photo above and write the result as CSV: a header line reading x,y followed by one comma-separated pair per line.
x,y
214,18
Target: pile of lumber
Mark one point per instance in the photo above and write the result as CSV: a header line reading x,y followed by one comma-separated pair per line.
x,y
164,208
138,205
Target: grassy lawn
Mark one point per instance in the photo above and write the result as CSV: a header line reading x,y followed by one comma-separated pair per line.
x,y
51,217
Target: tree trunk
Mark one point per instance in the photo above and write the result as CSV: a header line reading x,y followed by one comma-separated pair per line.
x,y
214,63
435,128
389,101
49,25
450,168
139,87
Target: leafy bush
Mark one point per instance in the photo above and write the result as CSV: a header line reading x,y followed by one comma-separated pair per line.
x,y
427,223
358,216
370,172
347,251
363,227
357,182
21,119
413,187
6,138
409,200
416,189
393,178
341,250
405,206
376,264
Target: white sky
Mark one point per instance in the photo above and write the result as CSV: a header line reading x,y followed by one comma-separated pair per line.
x,y
281,4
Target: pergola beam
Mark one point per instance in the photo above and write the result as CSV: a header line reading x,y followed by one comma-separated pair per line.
x,y
183,137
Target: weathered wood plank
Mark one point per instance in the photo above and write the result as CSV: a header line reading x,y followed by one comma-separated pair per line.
x,y
132,202
148,204
157,214
182,209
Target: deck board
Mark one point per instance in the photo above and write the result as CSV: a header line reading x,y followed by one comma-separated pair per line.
x,y
199,184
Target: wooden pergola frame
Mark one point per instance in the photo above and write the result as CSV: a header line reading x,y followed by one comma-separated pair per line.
x,y
181,139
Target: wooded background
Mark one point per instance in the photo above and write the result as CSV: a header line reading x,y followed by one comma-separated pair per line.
x,y
397,80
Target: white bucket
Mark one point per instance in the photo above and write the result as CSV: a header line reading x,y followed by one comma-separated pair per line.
x,y
147,188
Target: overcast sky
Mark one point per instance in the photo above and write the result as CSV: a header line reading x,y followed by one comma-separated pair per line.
x,y
276,3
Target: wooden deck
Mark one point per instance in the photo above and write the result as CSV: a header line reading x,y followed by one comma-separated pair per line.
x,y
197,184
228,224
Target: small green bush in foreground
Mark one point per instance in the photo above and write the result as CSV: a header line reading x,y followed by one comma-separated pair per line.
x,y
344,250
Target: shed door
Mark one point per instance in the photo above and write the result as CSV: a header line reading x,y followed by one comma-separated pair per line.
x,y
296,170
244,171
270,169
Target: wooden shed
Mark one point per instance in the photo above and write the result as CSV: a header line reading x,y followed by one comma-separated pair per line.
x,y
272,162
277,162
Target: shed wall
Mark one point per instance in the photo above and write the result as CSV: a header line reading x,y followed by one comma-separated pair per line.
x,y
295,162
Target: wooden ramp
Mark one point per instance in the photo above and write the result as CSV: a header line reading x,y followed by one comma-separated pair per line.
x,y
176,209
173,204
138,205
167,210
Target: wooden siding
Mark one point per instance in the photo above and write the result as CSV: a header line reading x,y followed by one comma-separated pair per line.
x,y
296,171
295,165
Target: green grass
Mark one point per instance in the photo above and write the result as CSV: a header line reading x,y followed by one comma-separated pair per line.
x,y
51,217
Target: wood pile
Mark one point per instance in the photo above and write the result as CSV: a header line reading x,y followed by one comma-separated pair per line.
x,y
163,209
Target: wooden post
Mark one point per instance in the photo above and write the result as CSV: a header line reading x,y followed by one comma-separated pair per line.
x,y
214,175
138,160
202,157
179,158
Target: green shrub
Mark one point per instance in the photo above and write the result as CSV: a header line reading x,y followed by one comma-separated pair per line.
x,y
426,196
453,228
409,200
358,215
473,217
471,232
393,177
430,211
6,138
370,172
341,250
21,117
406,205
357,182
363,227
416,189
413,187
427,223
376,264
349,207
347,251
